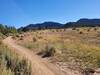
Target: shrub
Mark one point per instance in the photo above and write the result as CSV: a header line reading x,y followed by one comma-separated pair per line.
x,y
34,39
40,37
88,71
21,38
74,28
64,29
95,29
80,32
17,35
57,30
89,29
13,37
49,51
11,64
53,31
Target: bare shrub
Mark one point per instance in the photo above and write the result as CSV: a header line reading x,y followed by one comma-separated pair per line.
x,y
74,28
21,38
48,52
89,29
88,71
34,39
80,32
95,29
40,37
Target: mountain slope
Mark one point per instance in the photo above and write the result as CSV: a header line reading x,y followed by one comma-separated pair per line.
x,y
45,25
84,23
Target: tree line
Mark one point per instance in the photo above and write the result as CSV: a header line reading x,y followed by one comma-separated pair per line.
x,y
4,29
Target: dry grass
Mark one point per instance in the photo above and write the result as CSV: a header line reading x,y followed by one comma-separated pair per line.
x,y
12,64
78,47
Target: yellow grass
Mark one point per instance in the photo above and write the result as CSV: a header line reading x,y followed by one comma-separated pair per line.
x,y
80,50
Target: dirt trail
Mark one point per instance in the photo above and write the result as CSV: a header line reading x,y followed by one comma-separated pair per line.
x,y
39,66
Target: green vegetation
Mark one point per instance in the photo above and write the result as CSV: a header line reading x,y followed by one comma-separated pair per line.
x,y
7,30
11,64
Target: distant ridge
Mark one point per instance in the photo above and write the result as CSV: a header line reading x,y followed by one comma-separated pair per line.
x,y
45,25
84,22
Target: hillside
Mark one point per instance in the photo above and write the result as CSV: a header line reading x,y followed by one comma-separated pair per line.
x,y
84,23
39,26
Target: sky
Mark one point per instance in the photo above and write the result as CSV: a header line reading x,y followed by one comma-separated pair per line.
x,y
23,12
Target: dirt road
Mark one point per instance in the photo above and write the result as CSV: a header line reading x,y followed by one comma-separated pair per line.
x,y
39,66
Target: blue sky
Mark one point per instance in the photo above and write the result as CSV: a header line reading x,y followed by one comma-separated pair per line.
x,y
23,12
